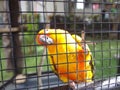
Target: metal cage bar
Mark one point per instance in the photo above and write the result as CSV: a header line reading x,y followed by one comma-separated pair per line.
x,y
26,65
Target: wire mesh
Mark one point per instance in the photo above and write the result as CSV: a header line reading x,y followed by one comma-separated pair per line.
x,y
26,65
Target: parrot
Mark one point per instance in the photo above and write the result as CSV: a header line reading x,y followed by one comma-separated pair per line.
x,y
70,58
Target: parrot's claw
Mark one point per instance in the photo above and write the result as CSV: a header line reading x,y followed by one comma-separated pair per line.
x,y
72,85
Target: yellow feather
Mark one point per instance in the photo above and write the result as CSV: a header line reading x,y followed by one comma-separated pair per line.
x,y
67,56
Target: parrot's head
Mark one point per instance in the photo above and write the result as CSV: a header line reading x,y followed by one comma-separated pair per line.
x,y
43,38
51,36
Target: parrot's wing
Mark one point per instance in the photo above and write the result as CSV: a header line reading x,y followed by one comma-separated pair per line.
x,y
88,56
78,39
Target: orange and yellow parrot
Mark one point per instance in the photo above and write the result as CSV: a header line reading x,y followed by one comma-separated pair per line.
x,y
70,59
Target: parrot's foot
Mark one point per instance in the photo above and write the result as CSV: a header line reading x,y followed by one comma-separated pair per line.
x,y
80,85
72,85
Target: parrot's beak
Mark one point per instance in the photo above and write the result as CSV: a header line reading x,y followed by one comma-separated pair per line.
x,y
44,39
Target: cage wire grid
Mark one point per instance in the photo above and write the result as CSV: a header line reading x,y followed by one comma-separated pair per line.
x,y
24,64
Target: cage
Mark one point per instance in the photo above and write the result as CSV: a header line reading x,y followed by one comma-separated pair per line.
x,y
27,65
